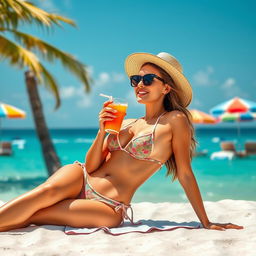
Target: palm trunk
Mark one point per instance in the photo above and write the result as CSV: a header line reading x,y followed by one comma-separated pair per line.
x,y
50,156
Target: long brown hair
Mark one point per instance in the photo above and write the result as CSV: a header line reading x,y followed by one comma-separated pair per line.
x,y
172,102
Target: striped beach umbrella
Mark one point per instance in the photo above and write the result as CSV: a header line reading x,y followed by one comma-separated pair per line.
x,y
235,105
11,111
200,117
237,117
235,110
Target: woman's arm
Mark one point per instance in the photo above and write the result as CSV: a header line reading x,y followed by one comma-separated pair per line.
x,y
96,153
181,141
98,150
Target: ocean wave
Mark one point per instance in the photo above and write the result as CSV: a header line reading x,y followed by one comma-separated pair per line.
x,y
19,182
215,139
210,194
57,141
20,143
82,140
20,177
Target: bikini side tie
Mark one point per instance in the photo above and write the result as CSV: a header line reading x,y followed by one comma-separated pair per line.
x,y
125,215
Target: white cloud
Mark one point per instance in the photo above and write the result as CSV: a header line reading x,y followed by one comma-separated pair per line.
x,y
231,89
84,102
107,78
229,83
59,114
67,4
118,77
102,79
202,77
47,5
68,92
90,70
197,103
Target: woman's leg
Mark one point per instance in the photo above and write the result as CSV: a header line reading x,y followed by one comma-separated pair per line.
x,y
63,184
75,213
20,225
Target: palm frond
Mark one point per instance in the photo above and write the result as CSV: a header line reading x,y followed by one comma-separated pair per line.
x,y
51,84
50,53
21,57
14,11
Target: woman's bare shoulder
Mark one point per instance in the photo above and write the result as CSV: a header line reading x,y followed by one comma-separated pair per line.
x,y
176,118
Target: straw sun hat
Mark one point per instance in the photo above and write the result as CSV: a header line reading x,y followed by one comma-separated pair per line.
x,y
168,63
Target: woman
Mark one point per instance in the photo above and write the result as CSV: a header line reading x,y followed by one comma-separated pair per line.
x,y
116,165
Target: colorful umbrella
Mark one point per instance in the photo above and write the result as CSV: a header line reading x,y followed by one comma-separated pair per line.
x,y
235,105
235,110
11,111
237,117
200,117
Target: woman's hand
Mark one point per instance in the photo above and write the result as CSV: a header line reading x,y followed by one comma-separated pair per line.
x,y
106,114
222,226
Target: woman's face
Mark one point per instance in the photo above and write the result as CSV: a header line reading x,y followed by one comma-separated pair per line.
x,y
154,92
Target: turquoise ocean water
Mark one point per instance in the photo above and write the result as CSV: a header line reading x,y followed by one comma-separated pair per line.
x,y
217,179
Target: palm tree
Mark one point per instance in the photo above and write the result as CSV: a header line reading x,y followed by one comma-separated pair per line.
x,y
23,50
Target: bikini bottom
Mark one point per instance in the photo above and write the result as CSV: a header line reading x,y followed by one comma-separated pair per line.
x,y
88,192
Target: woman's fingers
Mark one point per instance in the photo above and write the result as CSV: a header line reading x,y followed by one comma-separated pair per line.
x,y
106,114
106,103
216,227
107,110
234,226
222,227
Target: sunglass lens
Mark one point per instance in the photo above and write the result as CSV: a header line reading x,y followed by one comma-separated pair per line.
x,y
148,79
135,80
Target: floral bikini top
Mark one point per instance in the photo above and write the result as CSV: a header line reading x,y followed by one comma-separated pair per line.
x,y
139,147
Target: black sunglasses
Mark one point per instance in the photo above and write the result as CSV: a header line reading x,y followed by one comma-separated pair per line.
x,y
147,79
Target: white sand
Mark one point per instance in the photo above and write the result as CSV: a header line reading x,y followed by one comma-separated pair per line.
x,y
51,240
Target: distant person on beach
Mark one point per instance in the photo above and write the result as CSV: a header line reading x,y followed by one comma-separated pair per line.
x,y
116,165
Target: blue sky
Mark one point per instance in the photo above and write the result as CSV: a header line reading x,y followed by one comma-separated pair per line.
x,y
214,41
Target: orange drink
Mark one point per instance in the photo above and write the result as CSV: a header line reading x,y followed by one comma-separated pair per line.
x,y
115,125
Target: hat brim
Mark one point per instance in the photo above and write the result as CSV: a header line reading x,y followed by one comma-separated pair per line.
x,y
134,62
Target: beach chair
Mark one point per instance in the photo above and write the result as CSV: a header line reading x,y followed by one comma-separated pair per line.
x,y
203,152
230,146
5,148
228,151
250,148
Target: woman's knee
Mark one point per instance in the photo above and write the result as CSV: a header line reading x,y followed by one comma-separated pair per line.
x,y
65,184
68,171
49,190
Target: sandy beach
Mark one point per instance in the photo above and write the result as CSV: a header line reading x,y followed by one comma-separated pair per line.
x,y
51,240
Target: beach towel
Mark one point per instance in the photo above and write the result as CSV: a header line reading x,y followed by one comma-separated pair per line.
x,y
144,226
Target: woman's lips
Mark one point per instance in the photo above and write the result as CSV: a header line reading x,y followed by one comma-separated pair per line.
x,y
142,93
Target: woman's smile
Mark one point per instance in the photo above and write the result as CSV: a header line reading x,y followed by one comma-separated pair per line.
x,y
142,93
